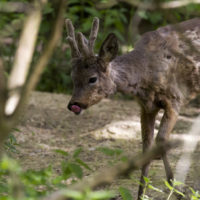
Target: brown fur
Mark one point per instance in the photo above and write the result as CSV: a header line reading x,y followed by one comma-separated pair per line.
x,y
162,72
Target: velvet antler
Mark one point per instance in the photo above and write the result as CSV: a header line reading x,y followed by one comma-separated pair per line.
x,y
82,47
71,38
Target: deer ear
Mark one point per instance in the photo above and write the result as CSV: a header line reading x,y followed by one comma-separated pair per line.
x,y
109,48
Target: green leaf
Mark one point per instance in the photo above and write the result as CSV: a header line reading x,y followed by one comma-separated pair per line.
x,y
154,188
73,194
10,165
143,14
77,152
124,158
92,11
60,151
178,192
76,169
106,151
47,9
66,170
177,183
16,130
195,194
168,185
147,180
125,193
79,161
98,195
192,190
57,180
155,17
110,152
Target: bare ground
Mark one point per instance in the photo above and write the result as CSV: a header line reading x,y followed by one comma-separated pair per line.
x,y
48,125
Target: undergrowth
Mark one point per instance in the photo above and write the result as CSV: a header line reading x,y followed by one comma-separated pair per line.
x,y
18,184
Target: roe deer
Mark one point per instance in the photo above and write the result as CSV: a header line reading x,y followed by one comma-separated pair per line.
x,y
162,72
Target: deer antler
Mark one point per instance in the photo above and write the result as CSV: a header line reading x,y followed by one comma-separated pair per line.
x,y
83,46
93,34
71,38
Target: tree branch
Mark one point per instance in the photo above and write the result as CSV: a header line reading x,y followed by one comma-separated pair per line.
x,y
2,90
11,92
176,4
53,40
15,7
44,58
23,57
19,86
148,5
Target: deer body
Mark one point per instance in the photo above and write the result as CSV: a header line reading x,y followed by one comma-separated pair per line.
x,y
162,72
161,66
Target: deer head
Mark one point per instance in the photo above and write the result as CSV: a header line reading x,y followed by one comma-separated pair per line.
x,y
90,72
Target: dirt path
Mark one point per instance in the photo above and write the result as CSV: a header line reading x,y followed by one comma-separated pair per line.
x,y
48,125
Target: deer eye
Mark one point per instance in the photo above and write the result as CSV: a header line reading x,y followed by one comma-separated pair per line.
x,y
93,80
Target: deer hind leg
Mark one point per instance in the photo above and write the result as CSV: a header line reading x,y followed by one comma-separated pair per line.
x,y
167,123
147,126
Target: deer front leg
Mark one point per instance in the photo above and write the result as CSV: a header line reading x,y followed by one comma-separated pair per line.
x,y
147,126
167,123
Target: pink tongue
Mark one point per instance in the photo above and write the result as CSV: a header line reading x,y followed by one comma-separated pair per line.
x,y
75,109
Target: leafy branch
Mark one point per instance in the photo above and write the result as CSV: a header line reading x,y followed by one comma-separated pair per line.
x,y
108,175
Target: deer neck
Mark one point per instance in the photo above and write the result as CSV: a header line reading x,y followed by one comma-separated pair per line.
x,y
125,71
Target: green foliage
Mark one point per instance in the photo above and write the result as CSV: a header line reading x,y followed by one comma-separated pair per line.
x,y
148,185
77,152
110,152
73,165
125,193
56,77
16,183
38,183
173,189
11,143
117,19
89,195
195,194
115,153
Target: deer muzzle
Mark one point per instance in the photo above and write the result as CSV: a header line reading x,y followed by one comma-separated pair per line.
x,y
76,107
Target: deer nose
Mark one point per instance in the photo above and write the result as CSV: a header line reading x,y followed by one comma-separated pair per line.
x,y
76,107
73,104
